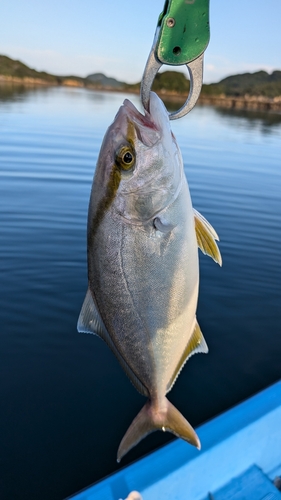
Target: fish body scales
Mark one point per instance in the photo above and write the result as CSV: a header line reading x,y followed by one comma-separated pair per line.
x,y
145,285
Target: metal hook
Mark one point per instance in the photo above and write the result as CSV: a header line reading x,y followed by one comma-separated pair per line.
x,y
195,69
181,37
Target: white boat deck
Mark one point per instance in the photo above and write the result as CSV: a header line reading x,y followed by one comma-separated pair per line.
x,y
240,457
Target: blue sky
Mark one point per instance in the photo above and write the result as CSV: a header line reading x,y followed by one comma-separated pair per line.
x,y
114,37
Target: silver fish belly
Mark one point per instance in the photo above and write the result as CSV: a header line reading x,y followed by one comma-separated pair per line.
x,y
143,238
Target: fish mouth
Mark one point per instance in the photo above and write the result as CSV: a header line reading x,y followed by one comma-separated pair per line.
x,y
133,113
149,126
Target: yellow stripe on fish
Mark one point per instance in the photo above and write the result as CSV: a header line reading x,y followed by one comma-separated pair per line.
x,y
125,158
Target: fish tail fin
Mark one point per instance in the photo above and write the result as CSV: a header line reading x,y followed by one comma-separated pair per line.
x,y
153,417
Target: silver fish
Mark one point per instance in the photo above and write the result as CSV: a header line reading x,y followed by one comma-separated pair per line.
x,y
143,274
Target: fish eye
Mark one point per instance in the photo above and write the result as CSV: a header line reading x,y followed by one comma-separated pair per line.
x,y
128,158
125,157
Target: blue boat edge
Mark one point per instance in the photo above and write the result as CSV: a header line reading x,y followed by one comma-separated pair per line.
x,y
239,447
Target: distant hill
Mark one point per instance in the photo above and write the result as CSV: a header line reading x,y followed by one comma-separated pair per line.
x,y
171,81
99,79
252,84
13,68
260,83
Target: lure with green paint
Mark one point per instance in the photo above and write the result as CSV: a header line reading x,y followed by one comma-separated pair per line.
x,y
143,276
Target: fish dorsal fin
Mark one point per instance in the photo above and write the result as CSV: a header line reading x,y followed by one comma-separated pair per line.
x,y
90,321
206,236
196,344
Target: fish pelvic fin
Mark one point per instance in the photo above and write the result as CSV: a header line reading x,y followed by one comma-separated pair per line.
x,y
206,237
196,344
90,321
153,417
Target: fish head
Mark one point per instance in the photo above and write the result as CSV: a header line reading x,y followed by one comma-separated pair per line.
x,y
140,169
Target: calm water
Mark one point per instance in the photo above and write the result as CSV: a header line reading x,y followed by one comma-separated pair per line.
x,y
65,402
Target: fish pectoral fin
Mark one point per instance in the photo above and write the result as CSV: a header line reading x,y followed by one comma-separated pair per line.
x,y
162,225
152,418
196,344
206,237
89,320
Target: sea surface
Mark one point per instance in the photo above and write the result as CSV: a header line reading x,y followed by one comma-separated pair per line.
x,y
65,401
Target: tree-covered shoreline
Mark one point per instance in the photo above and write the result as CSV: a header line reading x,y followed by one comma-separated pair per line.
x,y
259,90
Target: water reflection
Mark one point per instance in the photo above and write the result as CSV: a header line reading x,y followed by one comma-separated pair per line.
x,y
267,119
17,92
174,103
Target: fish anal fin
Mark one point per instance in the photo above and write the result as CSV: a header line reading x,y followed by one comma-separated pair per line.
x,y
206,237
196,344
90,321
152,418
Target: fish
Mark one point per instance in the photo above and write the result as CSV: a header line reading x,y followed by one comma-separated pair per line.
x,y
143,273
